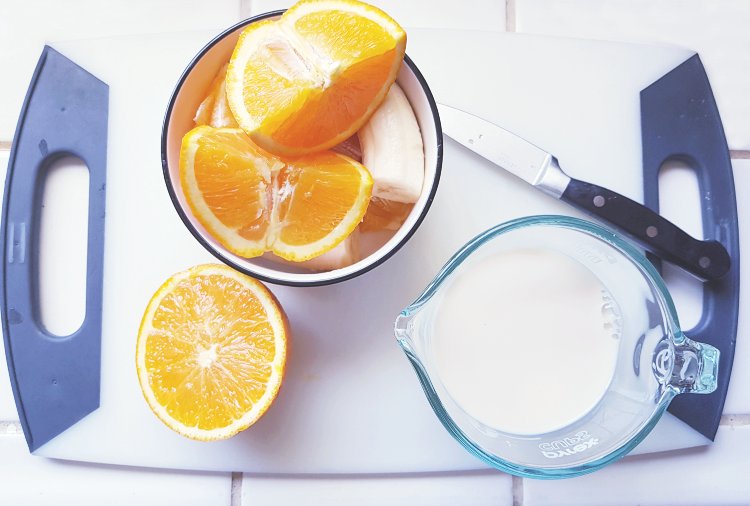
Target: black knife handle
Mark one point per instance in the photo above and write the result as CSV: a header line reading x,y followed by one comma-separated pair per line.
x,y
708,260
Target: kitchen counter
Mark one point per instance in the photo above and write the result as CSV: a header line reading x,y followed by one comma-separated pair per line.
x,y
714,475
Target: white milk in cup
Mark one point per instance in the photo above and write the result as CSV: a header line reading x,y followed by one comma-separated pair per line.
x,y
549,347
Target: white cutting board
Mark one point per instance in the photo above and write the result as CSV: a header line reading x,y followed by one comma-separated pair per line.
x,y
351,402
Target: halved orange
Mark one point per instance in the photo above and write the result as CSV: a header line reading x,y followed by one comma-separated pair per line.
x,y
308,81
211,352
252,201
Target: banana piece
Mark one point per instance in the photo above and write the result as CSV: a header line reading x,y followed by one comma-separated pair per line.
x,y
384,214
348,252
392,149
222,116
205,110
214,110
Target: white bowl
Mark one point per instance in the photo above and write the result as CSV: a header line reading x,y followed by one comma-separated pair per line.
x,y
377,247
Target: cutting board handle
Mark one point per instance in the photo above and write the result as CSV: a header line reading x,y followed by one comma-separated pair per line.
x,y
680,121
55,379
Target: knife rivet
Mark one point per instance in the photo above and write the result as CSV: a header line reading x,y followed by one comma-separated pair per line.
x,y
652,231
599,201
704,262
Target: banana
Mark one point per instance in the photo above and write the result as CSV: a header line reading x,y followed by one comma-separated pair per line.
x,y
214,110
205,110
345,254
222,115
385,214
392,149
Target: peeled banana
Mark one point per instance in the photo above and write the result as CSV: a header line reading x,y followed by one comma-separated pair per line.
x,y
392,149
222,115
214,110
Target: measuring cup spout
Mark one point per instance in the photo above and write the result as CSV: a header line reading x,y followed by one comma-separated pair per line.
x,y
695,366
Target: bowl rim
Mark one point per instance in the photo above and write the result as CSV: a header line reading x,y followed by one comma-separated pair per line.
x,y
223,259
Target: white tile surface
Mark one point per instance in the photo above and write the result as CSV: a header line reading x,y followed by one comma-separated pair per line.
x,y
7,404
29,480
472,489
715,475
738,397
471,15
26,26
717,30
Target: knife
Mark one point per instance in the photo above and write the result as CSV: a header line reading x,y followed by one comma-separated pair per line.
x,y
708,260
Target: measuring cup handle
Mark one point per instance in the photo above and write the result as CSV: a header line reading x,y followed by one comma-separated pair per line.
x,y
696,367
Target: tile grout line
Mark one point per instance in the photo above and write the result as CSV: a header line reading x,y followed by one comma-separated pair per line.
x,y
11,429
246,9
235,498
510,15
516,489
735,421
516,486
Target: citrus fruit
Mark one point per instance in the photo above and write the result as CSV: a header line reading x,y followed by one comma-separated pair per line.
x,y
251,201
211,352
308,81
385,214
348,252
226,181
321,199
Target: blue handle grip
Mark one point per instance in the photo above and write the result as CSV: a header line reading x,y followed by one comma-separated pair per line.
x,y
55,380
680,121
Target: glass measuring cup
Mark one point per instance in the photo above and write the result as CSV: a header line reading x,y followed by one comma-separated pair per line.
x,y
655,360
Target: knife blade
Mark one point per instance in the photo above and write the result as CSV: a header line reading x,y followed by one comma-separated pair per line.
x,y
707,260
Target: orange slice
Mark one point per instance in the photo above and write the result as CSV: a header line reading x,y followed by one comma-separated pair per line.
x,y
252,201
321,200
211,352
308,81
227,183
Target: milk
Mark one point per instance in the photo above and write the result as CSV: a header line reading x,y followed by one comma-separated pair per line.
x,y
523,341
